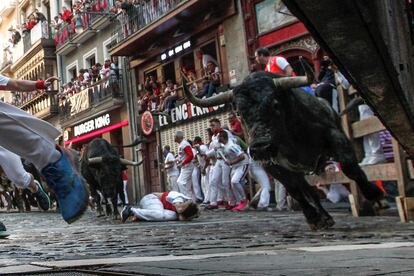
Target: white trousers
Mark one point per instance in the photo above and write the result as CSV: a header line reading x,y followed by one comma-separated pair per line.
x,y
260,176
219,182
13,168
126,191
28,136
372,142
184,180
151,209
205,185
337,192
280,194
196,179
172,181
238,175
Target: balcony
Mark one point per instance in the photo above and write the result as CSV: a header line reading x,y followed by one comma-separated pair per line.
x,y
19,54
157,24
104,95
7,7
42,105
84,25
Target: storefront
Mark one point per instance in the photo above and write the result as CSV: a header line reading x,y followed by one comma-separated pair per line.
x,y
111,126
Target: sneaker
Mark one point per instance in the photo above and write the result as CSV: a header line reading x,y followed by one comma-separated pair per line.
x,y
242,206
43,200
3,231
264,209
126,213
230,207
211,207
69,187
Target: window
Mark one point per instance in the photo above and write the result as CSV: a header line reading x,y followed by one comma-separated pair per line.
x,y
71,71
272,14
108,44
89,59
169,72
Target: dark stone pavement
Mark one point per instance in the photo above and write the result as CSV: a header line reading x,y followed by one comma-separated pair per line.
x,y
45,237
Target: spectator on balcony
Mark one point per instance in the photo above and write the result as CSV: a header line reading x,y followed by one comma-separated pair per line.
x,y
95,72
205,59
114,78
66,15
15,36
144,103
212,80
40,17
105,69
170,96
24,29
32,22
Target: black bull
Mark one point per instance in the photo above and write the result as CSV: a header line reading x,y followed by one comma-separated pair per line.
x,y
101,166
291,133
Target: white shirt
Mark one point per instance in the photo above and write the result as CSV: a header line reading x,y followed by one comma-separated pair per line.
x,y
3,82
216,145
181,152
176,197
232,151
173,170
202,159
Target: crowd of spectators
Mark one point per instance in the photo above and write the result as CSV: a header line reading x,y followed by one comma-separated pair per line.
x,y
108,74
160,97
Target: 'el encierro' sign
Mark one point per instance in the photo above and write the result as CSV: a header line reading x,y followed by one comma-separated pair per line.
x,y
91,125
185,112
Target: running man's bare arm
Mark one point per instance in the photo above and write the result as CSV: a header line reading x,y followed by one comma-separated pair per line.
x,y
27,85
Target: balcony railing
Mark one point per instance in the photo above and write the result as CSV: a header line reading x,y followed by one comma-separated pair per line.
x,y
83,21
41,105
139,16
97,94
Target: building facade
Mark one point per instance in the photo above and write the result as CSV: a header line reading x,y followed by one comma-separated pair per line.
x,y
162,41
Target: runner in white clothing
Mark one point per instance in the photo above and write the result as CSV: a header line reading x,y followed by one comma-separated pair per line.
x,y
171,169
238,160
220,173
33,140
165,206
185,153
202,162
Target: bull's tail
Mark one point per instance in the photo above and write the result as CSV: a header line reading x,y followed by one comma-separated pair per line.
x,y
133,144
351,105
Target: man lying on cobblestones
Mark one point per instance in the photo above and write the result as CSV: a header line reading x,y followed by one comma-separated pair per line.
x,y
167,206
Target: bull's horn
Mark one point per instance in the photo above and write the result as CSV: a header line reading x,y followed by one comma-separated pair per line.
x,y
130,163
222,98
291,82
95,160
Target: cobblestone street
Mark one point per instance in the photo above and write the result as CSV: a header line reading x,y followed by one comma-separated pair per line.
x,y
44,237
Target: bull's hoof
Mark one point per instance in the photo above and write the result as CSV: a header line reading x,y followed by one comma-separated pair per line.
x,y
372,192
324,222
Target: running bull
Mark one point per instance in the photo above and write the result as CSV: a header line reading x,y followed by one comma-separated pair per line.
x,y
292,133
101,166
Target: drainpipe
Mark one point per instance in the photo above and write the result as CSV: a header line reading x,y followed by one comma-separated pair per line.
x,y
130,98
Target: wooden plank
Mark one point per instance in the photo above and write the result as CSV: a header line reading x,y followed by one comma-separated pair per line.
x,y
409,207
354,208
367,126
401,208
384,172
